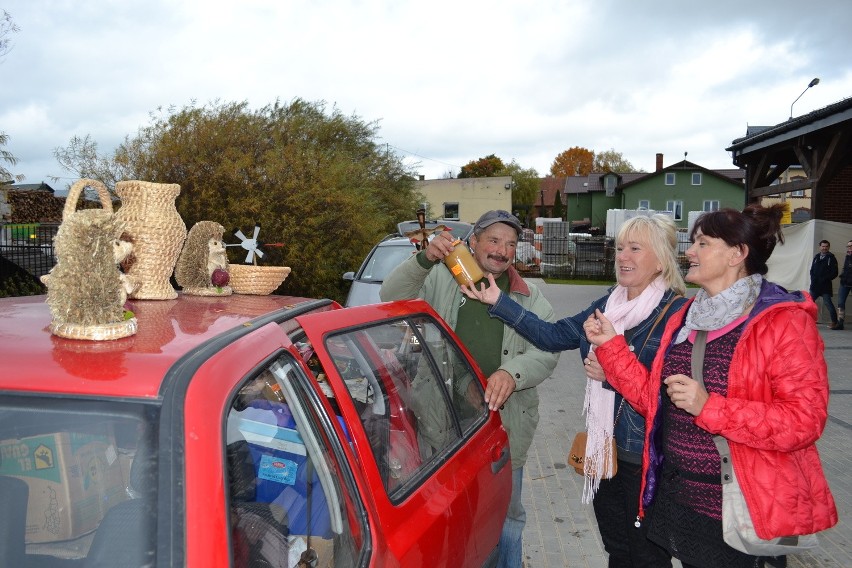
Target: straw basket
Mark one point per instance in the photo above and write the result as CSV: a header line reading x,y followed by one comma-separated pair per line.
x,y
157,232
85,289
95,332
258,280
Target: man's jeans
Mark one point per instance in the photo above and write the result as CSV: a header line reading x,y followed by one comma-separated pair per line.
x,y
511,546
842,294
829,305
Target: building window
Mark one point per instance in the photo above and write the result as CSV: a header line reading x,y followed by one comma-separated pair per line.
x,y
798,193
644,204
609,185
451,211
696,178
711,205
670,178
676,207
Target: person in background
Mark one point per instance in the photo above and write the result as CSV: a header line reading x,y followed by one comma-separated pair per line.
x,y
649,291
513,366
845,286
765,390
823,271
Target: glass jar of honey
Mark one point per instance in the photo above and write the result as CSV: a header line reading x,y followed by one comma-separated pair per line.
x,y
462,264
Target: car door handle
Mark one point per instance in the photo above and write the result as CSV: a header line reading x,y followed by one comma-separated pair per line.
x,y
500,459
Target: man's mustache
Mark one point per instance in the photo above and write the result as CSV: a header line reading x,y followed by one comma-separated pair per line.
x,y
498,257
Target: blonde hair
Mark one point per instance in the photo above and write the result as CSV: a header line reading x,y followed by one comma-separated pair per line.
x,y
659,232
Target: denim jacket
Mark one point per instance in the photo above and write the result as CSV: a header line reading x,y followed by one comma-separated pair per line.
x,y
568,333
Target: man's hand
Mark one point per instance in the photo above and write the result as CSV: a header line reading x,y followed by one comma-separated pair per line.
x,y
485,295
440,246
500,386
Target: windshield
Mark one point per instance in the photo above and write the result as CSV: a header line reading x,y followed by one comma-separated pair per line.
x,y
73,470
384,259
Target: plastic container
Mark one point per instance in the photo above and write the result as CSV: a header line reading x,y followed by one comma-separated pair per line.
x,y
462,265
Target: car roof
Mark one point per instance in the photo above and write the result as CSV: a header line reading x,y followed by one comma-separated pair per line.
x,y
36,360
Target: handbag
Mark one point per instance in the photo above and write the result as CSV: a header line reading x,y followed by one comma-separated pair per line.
x,y
577,454
737,526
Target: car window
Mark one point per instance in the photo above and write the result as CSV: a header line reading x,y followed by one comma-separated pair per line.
x,y
78,482
287,502
415,393
384,259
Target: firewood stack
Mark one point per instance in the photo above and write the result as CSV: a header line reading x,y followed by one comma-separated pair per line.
x,y
39,206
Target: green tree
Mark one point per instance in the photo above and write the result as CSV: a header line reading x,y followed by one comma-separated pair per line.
x,y
489,166
314,179
575,161
558,209
612,161
524,186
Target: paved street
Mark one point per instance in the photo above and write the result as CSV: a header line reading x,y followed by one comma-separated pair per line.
x,y
561,532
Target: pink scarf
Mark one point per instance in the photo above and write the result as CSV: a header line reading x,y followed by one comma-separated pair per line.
x,y
600,402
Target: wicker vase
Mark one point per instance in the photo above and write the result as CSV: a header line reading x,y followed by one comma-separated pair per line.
x,y
157,231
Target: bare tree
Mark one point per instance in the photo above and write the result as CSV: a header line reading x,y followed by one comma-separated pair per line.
x,y
7,27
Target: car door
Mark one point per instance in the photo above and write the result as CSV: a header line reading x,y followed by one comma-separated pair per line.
x,y
265,475
434,457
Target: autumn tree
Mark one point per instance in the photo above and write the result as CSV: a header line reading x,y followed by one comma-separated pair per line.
x,y
612,161
574,161
314,179
489,166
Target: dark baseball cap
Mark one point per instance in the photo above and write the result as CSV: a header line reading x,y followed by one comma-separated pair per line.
x,y
498,216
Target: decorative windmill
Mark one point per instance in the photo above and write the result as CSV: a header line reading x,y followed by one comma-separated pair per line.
x,y
252,245
420,237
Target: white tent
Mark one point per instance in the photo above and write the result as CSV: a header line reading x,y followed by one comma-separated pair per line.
x,y
790,263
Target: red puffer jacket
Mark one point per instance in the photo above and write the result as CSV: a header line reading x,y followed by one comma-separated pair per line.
x,y
775,411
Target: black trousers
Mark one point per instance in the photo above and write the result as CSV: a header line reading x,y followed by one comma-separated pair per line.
x,y
616,507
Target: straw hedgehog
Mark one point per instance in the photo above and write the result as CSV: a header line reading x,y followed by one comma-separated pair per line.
x,y
86,286
202,268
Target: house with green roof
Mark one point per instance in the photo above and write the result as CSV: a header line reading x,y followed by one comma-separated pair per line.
x,y
680,188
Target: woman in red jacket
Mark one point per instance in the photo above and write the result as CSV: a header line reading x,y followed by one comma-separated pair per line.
x,y
766,392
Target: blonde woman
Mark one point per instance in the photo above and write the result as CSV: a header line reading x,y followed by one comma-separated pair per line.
x,y
649,291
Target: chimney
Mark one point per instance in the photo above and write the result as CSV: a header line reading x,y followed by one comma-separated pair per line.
x,y
659,162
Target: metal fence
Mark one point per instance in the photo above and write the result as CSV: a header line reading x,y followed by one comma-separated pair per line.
x,y
576,256
27,248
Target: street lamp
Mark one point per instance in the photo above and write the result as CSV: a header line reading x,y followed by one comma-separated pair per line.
x,y
814,82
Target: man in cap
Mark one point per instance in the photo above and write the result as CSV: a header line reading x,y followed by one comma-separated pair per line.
x,y
513,367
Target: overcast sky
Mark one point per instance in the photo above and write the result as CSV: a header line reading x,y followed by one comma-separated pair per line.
x,y
448,81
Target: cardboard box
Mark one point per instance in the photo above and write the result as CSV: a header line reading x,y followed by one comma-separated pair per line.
x,y
73,479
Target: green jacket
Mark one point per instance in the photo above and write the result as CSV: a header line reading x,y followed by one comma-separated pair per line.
x,y
528,365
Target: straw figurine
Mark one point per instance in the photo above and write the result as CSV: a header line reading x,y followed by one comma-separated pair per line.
x,y
86,290
202,268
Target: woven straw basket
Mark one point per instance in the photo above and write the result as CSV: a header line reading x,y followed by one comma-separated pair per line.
x,y
157,232
62,324
258,280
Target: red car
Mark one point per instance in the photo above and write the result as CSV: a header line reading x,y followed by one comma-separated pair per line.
x,y
247,431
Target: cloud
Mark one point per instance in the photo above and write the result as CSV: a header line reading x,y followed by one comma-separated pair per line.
x,y
448,82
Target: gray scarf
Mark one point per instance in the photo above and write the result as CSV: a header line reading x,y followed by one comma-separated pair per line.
x,y
710,313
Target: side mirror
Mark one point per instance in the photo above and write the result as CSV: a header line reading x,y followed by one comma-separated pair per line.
x,y
350,276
